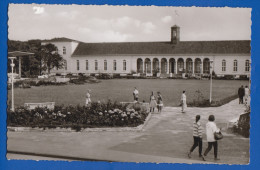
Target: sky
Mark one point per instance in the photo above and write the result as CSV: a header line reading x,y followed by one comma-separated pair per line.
x,y
89,23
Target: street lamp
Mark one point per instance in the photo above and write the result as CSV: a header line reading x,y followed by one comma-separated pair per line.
x,y
210,92
12,78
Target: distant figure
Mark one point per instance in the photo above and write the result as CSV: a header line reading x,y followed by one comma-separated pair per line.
x,y
197,136
211,128
136,94
152,102
183,102
88,100
247,93
241,94
159,102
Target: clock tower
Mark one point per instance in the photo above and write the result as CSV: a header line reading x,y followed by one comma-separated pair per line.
x,y
175,34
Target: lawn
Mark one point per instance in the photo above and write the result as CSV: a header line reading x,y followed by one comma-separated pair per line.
x,y
122,89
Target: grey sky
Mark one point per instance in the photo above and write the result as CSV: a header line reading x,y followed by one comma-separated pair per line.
x,y
126,23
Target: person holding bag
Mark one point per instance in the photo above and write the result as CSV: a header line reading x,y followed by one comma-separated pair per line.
x,y
211,132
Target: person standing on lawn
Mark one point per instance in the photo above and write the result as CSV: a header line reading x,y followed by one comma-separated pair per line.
x,y
197,136
152,102
159,102
183,102
211,128
88,100
136,94
241,94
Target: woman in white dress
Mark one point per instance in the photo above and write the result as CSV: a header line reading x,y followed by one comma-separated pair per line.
x,y
183,102
88,100
153,103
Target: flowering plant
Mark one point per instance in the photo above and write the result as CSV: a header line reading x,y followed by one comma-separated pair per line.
x,y
97,114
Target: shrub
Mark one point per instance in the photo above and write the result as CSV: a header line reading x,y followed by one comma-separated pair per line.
x,y
104,76
116,75
243,125
110,114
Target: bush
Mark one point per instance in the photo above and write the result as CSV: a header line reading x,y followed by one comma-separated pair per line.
x,y
200,101
110,114
116,76
243,126
104,76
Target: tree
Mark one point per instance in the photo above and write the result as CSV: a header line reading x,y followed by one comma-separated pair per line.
x,y
50,57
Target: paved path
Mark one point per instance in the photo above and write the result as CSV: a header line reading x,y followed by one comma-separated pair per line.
x,y
166,138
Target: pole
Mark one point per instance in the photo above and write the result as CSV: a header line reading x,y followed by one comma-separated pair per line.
x,y
210,93
12,66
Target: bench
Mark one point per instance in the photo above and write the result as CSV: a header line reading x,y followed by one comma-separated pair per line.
x,y
31,106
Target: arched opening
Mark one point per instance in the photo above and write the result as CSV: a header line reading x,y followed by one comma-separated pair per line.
x,y
180,65
206,66
189,65
171,65
155,66
147,65
139,65
163,65
198,66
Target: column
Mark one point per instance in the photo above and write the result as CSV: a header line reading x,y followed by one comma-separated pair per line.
x,y
201,67
184,67
193,67
152,67
159,67
167,69
175,67
20,67
143,67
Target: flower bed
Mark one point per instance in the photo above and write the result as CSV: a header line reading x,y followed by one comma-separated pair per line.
x,y
76,117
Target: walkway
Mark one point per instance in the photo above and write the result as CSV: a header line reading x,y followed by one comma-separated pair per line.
x,y
166,138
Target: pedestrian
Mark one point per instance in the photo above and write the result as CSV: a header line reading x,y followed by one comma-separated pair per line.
x,y
197,136
159,102
241,93
247,92
183,102
88,100
136,94
211,128
152,102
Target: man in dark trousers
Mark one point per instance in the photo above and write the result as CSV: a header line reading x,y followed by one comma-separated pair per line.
x,y
241,93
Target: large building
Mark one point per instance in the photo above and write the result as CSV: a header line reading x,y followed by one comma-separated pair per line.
x,y
155,58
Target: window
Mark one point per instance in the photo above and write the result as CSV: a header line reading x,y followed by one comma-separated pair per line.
x,y
105,65
65,64
96,65
223,65
86,64
77,64
64,50
114,65
235,65
124,65
247,65
189,66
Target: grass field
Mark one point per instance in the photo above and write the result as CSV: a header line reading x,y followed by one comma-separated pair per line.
x,y
122,89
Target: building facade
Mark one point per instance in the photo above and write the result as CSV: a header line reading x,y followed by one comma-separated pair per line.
x,y
155,58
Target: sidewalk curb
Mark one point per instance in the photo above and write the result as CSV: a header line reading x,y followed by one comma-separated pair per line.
x,y
58,129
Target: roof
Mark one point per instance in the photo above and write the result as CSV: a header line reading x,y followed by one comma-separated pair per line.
x,y
153,48
18,54
61,39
